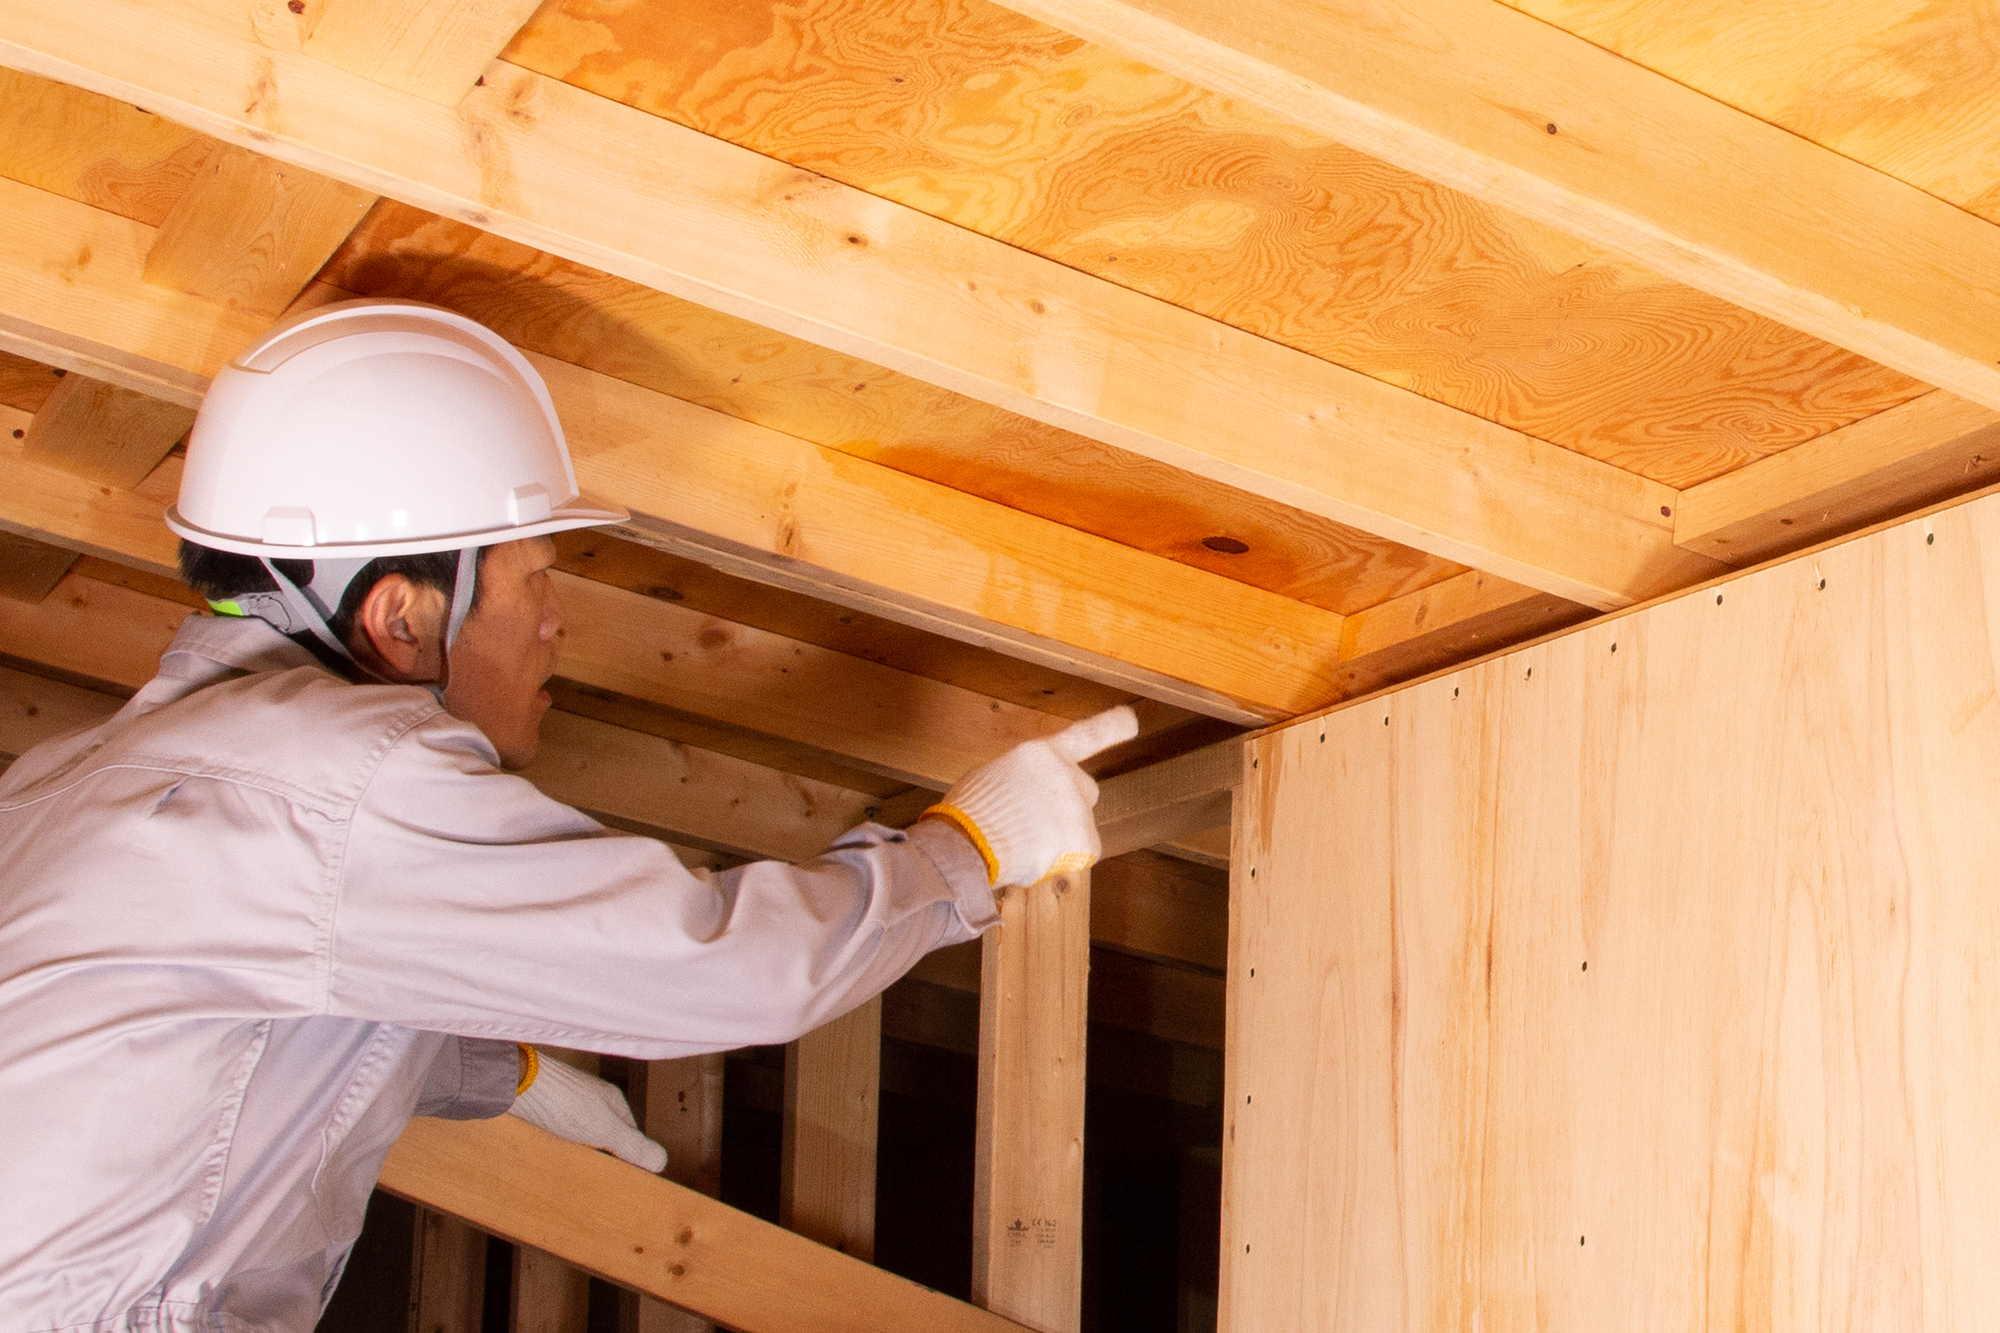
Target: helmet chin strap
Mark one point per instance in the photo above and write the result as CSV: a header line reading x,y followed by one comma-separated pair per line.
x,y
293,609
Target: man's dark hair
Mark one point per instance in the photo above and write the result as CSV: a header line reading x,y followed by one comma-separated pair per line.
x,y
222,575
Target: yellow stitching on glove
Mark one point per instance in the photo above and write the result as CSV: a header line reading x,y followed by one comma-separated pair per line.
x,y
531,1065
1071,863
961,821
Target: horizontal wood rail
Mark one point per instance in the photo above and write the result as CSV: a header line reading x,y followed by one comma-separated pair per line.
x,y
650,1235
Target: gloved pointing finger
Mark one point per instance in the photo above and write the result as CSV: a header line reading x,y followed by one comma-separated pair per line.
x,y
1029,811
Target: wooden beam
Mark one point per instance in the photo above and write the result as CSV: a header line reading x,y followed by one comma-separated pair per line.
x,y
252,232
448,1275
726,227
1489,100
1926,450
833,1078
1148,903
1450,621
894,722
30,570
550,1296
72,296
750,500
676,792
679,1104
1027,1184
435,49
104,432
1164,801
639,1231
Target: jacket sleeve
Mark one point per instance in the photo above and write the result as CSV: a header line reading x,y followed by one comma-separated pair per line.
x,y
471,1079
467,902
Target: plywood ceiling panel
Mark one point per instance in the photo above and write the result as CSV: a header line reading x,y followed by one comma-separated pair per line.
x,y
1905,86
1010,128
580,315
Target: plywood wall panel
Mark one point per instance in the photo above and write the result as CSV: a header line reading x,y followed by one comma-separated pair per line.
x,y
1640,979
1013,129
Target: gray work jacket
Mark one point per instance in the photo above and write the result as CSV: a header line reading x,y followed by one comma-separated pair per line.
x,y
245,922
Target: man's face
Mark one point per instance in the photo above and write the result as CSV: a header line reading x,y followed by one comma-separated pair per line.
x,y
507,649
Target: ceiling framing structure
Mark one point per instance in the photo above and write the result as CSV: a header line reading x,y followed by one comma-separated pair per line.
x,y
968,369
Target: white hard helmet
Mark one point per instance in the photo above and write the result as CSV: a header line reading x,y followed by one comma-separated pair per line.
x,y
373,428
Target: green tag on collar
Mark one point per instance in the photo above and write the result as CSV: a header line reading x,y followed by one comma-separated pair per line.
x,y
225,608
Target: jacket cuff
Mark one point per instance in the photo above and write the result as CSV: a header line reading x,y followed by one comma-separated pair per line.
x,y
472,1078
964,870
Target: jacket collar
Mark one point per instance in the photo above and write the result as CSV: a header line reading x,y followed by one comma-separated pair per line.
x,y
211,649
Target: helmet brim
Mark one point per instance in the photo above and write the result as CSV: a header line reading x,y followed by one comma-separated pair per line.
x,y
583,512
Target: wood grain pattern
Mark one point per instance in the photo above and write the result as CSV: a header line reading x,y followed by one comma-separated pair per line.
x,y
1639,989
893,284
602,556
1928,449
1905,86
651,1235
25,384
104,432
252,232
588,318
448,1281
679,1104
1027,1185
30,570
435,49
1022,132
95,149
550,1296
833,1088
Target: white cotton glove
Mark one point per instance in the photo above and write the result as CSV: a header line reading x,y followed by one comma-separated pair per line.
x,y
1029,811
585,1110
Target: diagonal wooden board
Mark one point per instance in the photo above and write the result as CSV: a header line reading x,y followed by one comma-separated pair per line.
x,y
650,1235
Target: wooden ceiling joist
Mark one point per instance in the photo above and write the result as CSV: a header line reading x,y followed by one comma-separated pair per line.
x,y
1515,111
745,498
436,49
104,432
670,208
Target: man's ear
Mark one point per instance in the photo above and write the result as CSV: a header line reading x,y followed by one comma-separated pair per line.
x,y
398,631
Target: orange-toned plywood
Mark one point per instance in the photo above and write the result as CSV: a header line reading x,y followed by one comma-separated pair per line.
x,y
106,153
1905,86
1015,130
580,315
671,578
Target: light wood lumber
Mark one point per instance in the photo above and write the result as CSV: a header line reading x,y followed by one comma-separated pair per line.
x,y
1164,801
1927,449
448,1277
1127,992
680,1108
30,570
1027,1185
435,49
34,709
1519,113
251,232
104,432
676,792
651,1235
550,1296
833,1078
728,228
1148,903
1642,988
756,502
72,296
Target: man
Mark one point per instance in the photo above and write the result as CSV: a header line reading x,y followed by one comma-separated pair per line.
x,y
287,897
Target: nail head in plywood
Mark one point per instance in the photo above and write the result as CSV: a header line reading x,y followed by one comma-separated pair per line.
x,y
252,231
103,432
